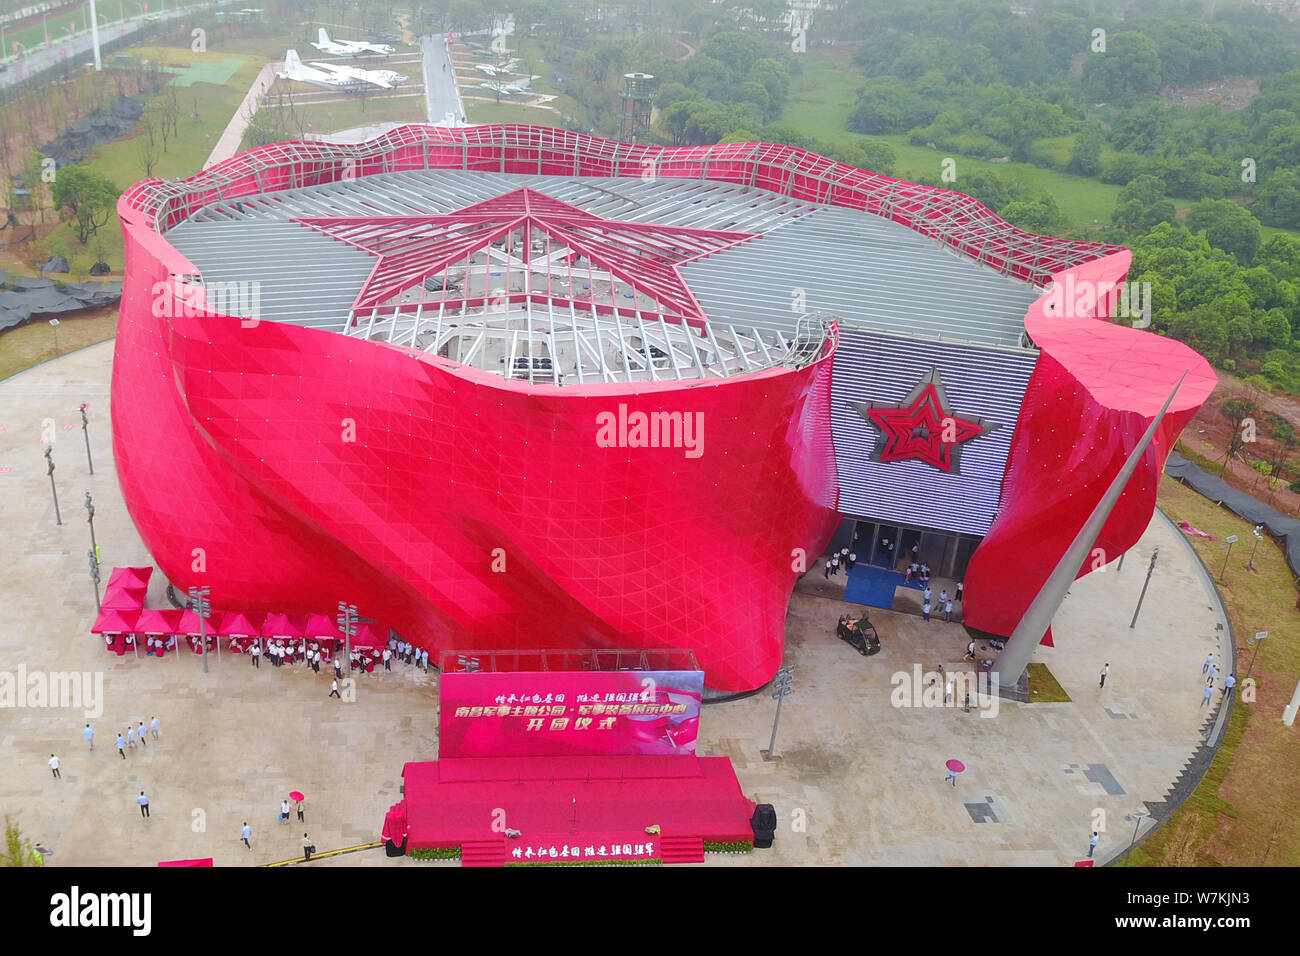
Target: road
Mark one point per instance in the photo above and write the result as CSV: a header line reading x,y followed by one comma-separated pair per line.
x,y
233,134
441,94
34,62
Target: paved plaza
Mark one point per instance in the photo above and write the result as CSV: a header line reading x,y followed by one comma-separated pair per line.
x,y
857,779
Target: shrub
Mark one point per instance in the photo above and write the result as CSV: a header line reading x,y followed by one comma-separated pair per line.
x,y
436,853
745,846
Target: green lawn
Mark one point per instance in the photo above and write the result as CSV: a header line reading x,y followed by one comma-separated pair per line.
x,y
1241,813
822,97
478,111
361,111
824,94
187,149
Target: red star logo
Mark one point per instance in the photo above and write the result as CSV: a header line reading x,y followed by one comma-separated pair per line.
x,y
922,427
526,228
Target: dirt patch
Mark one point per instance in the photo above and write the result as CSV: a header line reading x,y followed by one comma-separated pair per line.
x,y
1231,93
37,341
1207,435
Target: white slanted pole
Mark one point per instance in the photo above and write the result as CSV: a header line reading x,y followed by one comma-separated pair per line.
x,y
1024,639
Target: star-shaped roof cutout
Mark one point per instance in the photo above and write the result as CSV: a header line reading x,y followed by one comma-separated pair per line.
x,y
922,427
527,228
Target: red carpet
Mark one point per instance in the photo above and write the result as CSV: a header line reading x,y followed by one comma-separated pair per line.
x,y
567,807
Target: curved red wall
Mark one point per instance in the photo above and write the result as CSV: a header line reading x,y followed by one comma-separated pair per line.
x,y
230,439
1095,390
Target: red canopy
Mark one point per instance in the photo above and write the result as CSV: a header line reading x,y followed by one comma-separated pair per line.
x,y
204,862
153,621
120,599
281,625
189,623
318,625
370,635
113,621
239,624
130,577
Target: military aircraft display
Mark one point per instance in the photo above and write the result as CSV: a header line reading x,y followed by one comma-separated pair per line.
x,y
349,47
349,79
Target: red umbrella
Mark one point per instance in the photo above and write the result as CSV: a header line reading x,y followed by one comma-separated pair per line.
x,y
153,621
189,623
281,625
370,635
956,766
120,599
130,577
238,624
318,625
296,795
112,621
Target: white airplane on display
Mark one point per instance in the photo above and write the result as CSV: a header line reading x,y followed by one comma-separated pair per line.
x,y
349,47
489,70
385,79
345,78
502,87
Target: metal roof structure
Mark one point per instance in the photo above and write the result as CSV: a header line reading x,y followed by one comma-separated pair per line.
x,y
675,262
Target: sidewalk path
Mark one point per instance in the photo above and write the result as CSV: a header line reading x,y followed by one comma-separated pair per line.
x,y
228,144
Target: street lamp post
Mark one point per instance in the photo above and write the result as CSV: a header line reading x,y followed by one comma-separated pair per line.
x,y
202,607
1141,597
1257,640
90,509
1137,822
782,687
58,518
347,624
1231,539
94,577
85,423
1250,565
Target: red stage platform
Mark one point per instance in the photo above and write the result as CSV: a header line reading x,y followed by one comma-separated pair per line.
x,y
586,809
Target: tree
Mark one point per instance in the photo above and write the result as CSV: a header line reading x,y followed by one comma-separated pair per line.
x,y
89,196
1227,226
1285,440
1085,159
1237,411
18,851
1278,203
146,146
1129,67
1036,217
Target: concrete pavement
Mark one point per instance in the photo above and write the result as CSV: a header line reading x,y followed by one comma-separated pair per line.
x,y
859,779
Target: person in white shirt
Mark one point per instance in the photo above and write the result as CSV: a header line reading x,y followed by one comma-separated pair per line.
x,y
256,654
424,660
54,766
947,611
284,811
388,659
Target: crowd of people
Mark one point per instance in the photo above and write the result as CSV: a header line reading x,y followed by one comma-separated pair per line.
x,y
287,651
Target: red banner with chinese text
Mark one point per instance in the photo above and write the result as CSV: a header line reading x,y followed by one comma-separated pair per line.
x,y
569,713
